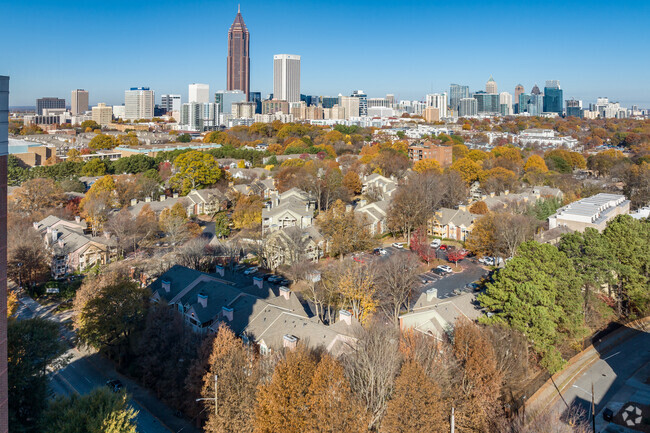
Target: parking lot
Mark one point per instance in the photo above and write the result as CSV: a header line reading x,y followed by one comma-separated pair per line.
x,y
446,284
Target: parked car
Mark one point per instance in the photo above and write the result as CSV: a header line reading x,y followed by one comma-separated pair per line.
x,y
435,243
439,272
114,384
443,247
472,286
399,245
445,268
382,252
275,278
488,261
250,271
284,282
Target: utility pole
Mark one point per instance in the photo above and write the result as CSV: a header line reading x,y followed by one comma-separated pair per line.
x,y
593,408
452,420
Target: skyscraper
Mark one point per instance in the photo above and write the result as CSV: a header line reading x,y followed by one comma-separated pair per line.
x,y
439,101
535,90
553,97
239,64
170,103
225,99
505,102
256,97
79,102
363,102
519,89
138,103
491,86
42,103
467,107
487,103
286,77
574,108
4,149
456,93
198,93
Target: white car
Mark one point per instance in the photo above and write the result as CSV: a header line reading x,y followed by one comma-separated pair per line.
x,y
399,245
435,243
445,268
488,261
250,271
382,251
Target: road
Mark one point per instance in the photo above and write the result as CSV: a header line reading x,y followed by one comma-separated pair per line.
x,y
81,375
609,374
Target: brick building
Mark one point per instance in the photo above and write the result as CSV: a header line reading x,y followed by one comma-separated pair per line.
x,y
442,154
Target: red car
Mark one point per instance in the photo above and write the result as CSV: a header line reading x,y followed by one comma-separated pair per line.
x,y
443,247
357,259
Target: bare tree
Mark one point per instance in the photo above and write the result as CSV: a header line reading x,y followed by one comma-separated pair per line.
x,y
194,254
372,367
396,279
27,259
511,231
123,225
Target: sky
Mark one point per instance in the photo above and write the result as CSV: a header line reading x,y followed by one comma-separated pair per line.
x,y
408,48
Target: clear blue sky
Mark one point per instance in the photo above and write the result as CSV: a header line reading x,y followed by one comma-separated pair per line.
x,y
409,48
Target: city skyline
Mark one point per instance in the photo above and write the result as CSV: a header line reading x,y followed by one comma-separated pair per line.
x,y
341,64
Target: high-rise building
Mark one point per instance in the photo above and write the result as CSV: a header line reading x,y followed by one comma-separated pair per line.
x,y
351,106
431,114
272,106
79,102
199,93
487,103
491,86
519,89
553,97
239,63
43,103
225,99
243,110
574,108
363,101
330,101
256,97
102,114
530,103
456,93
138,103
535,90
378,102
286,77
467,107
169,103
199,116
505,103
391,99
4,150
439,101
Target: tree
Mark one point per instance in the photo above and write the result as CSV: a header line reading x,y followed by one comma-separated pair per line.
x,y
33,346
420,245
427,165
27,259
282,404
100,411
194,255
98,202
90,124
479,208
194,170
107,320
173,222
498,180
247,213
73,185
535,163
221,225
538,293
184,138
94,167
468,169
332,404
37,195
409,208
122,224
238,375
357,288
395,281
352,182
102,141
344,230
416,404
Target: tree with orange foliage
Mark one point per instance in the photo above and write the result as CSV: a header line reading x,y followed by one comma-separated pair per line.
x,y
535,163
479,208
352,182
416,404
427,165
469,170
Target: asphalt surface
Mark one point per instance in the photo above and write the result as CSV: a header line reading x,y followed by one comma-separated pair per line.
x,y
609,374
81,375
457,280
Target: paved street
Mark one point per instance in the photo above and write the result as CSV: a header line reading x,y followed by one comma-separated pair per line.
x,y
87,370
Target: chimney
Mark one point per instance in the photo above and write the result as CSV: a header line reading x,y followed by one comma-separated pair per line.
x,y
285,292
61,243
48,230
175,195
166,285
491,194
35,225
258,282
147,199
432,294
345,316
203,299
227,313
289,341
162,197
55,235
219,270
77,219
506,192
134,201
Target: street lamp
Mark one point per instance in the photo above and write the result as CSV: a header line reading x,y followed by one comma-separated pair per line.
x,y
216,405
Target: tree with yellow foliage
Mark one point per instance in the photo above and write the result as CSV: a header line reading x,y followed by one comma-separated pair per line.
x,y
427,165
357,287
352,182
508,152
535,163
248,212
194,169
469,170
98,202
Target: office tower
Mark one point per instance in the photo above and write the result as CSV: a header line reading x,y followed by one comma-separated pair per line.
x,y
79,102
198,93
243,110
286,77
574,108
519,89
487,103
239,63
330,101
535,90
505,103
351,106
491,86
272,106
530,103
456,93
197,116
439,101
378,102
225,99
138,103
169,103
553,97
102,114
4,149
431,114
363,101
42,103
467,107
391,99
256,97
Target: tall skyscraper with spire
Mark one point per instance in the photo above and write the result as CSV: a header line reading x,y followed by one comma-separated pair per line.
x,y
239,75
491,86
